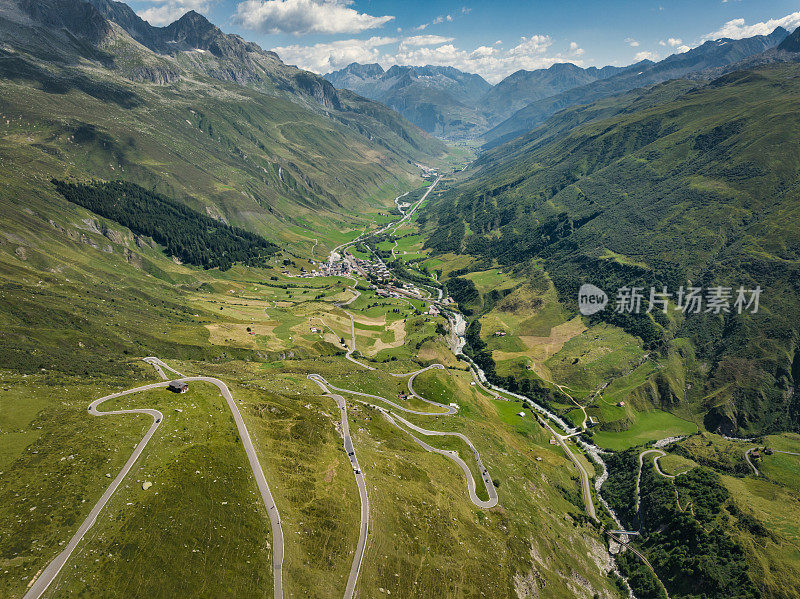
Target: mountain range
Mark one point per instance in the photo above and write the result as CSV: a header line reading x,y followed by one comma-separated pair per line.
x,y
455,105
440,100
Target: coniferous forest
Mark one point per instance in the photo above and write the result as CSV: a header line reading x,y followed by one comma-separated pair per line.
x,y
192,237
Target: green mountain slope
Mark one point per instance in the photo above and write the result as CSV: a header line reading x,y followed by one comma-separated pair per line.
x,y
681,184
268,147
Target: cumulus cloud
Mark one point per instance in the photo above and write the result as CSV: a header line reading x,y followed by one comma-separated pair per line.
x,y
305,16
646,56
632,42
165,12
575,49
676,43
738,28
326,57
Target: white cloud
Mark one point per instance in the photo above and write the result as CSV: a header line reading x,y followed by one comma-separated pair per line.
x,y
535,44
677,43
326,57
441,19
646,56
575,49
424,40
632,42
305,16
168,11
738,28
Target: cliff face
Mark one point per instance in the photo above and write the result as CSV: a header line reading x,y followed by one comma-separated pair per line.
x,y
79,18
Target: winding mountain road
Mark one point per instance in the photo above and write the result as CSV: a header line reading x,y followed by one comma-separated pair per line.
x,y
586,488
659,454
749,462
49,573
453,455
449,410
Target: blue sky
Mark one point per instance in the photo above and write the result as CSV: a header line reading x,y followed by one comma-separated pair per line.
x,y
492,39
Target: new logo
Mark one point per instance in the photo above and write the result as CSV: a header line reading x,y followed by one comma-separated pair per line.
x,y
591,299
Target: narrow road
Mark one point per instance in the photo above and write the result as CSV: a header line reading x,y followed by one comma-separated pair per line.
x,y
658,467
586,488
54,567
641,557
453,455
450,410
51,571
414,208
660,454
749,463
355,568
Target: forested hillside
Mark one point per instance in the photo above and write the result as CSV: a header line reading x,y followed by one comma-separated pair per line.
x,y
192,237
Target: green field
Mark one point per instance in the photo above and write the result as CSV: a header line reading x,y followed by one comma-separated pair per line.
x,y
648,426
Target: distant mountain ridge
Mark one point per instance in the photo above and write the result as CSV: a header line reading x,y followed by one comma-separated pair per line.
x,y
710,55
523,87
446,102
439,100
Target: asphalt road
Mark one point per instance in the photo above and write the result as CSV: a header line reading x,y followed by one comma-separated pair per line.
x,y
749,463
586,488
450,410
49,573
355,568
453,455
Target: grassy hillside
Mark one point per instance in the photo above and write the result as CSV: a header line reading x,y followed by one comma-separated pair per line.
x,y
266,153
84,299
677,184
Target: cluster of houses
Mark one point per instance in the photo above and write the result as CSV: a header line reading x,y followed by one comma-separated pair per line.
x,y
330,269
375,268
427,171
